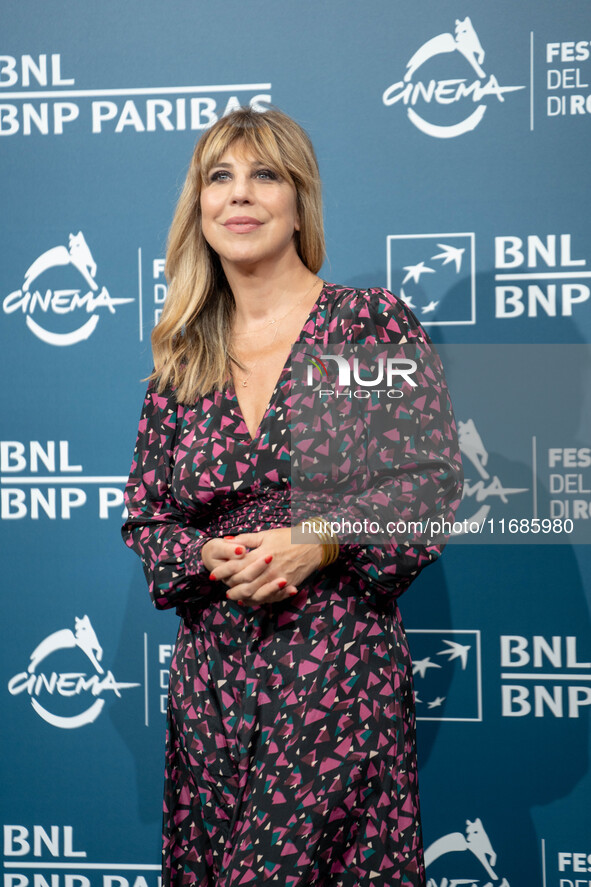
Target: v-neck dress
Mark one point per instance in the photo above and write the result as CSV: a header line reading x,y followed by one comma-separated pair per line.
x,y
290,743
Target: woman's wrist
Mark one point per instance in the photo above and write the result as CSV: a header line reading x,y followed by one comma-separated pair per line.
x,y
194,563
328,540
205,559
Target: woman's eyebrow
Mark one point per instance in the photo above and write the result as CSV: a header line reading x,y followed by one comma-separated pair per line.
x,y
229,165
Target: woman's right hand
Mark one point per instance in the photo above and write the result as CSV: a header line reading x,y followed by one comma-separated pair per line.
x,y
224,558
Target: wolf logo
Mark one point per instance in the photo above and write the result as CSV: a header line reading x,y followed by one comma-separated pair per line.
x,y
477,842
77,254
413,94
465,41
83,637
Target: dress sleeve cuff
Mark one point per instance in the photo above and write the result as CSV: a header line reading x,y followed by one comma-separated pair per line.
x,y
194,566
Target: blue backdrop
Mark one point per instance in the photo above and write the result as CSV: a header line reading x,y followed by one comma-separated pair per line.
x,y
453,141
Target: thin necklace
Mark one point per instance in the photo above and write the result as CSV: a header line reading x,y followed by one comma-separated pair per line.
x,y
277,319
277,322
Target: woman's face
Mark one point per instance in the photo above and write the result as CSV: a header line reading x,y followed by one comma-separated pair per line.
x,y
248,212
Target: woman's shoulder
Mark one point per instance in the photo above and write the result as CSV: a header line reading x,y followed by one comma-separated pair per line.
x,y
374,313
160,403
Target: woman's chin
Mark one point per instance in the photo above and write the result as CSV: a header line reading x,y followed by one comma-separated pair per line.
x,y
248,262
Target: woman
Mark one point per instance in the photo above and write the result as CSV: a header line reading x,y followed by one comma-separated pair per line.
x,y
290,740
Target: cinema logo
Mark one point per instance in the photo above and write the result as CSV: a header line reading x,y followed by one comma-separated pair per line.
x,y
48,690
538,276
39,299
417,94
36,97
543,676
39,480
453,856
480,492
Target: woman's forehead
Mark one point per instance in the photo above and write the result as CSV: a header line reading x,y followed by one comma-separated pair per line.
x,y
241,150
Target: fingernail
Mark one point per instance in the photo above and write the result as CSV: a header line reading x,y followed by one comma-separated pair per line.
x,y
228,595
269,558
212,577
239,549
282,583
240,603
228,537
294,592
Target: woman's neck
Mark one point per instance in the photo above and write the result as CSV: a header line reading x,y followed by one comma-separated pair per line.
x,y
261,293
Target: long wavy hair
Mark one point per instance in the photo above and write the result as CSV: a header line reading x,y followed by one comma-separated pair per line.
x,y
190,343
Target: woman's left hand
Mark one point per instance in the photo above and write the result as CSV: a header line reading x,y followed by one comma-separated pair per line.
x,y
273,567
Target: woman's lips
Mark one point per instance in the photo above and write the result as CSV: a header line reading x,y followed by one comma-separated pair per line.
x,y
242,224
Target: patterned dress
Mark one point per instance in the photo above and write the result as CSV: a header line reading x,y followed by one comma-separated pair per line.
x,y
290,748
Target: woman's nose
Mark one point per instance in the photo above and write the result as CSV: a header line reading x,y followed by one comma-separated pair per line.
x,y
242,190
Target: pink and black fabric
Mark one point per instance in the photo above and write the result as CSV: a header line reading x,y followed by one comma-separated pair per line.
x,y
290,747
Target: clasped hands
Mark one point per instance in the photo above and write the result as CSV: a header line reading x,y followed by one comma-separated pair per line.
x,y
261,568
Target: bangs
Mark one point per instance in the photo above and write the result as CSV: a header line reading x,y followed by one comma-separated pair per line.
x,y
260,141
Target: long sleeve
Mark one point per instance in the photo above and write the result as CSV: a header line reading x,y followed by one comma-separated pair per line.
x,y
405,467
156,528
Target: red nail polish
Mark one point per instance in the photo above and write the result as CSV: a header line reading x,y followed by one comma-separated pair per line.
x,y
212,578
269,558
229,537
239,549
240,603
282,583
294,592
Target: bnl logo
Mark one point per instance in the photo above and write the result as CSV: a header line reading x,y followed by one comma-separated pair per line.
x,y
447,674
434,275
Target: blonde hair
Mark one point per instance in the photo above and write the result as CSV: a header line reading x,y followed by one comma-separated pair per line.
x,y
190,342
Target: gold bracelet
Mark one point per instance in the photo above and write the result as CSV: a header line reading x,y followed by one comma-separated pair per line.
x,y
329,542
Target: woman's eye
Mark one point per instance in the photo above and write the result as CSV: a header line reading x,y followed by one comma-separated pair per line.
x,y
220,175
266,174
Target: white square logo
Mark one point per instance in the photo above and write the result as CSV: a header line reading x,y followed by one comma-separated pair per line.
x,y
434,274
447,674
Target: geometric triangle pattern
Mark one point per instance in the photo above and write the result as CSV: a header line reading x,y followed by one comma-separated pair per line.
x,y
290,749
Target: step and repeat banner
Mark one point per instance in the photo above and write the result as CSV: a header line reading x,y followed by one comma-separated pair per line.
x,y
453,140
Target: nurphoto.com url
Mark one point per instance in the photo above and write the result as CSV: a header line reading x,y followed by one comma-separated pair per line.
x,y
438,529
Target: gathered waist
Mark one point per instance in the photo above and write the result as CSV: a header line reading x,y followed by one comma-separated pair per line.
x,y
250,514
